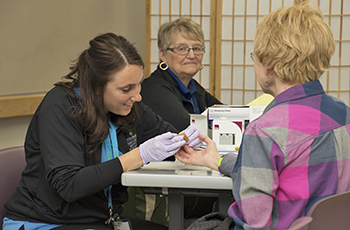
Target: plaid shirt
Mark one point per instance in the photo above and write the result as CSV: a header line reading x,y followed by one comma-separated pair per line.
x,y
295,154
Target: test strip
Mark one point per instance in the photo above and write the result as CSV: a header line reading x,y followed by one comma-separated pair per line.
x,y
185,136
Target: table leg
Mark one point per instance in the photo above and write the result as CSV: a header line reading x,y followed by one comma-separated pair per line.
x,y
176,210
225,200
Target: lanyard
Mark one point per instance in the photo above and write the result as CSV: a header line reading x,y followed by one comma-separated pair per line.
x,y
111,142
110,152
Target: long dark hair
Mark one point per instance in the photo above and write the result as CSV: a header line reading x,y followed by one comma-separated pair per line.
x,y
108,53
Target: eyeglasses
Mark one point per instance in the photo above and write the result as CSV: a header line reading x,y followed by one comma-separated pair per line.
x,y
252,56
184,50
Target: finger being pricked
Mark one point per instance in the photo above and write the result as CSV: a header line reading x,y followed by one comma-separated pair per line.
x,y
184,151
189,156
181,158
182,155
187,149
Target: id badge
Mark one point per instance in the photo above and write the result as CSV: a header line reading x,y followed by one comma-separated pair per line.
x,y
121,225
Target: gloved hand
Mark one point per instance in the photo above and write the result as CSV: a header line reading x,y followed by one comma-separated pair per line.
x,y
192,134
161,147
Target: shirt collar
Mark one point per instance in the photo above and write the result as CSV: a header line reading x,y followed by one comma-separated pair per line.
x,y
186,92
297,92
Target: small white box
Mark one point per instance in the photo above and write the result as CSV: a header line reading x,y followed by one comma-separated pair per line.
x,y
225,124
200,121
228,112
227,134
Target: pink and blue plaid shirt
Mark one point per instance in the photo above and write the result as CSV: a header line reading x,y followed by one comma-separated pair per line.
x,y
295,154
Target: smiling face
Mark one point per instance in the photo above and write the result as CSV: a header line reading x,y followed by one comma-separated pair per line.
x,y
123,90
184,66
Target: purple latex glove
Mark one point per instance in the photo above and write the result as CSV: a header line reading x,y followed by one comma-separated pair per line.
x,y
192,134
161,147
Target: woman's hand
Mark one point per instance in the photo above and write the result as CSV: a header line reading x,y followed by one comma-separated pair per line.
x,y
161,147
208,157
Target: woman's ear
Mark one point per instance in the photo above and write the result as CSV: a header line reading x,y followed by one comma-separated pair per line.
x,y
268,71
161,56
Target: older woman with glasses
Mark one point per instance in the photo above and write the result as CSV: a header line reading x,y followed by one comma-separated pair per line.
x,y
171,91
297,152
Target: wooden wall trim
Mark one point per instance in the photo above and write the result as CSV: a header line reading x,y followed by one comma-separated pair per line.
x,y
218,42
212,55
148,40
21,105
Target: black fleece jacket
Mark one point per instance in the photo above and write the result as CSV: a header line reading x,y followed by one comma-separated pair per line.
x,y
63,185
161,94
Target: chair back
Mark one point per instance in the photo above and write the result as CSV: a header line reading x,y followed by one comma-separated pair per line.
x,y
300,222
12,163
332,212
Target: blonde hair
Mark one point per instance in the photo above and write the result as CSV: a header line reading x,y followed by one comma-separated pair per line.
x,y
186,26
295,42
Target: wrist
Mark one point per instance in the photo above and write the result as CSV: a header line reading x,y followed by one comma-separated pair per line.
x,y
219,162
142,155
131,160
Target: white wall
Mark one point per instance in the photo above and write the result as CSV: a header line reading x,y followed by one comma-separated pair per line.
x,y
40,37
13,131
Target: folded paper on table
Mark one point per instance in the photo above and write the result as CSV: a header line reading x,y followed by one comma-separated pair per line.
x,y
262,100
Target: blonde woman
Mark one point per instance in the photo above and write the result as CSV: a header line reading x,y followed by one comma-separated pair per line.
x,y
297,152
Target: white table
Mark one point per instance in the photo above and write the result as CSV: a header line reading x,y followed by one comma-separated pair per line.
x,y
175,180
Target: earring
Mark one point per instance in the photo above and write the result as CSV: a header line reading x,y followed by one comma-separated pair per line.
x,y
266,83
162,67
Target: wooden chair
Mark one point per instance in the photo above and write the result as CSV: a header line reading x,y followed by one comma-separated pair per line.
x,y
12,163
332,212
